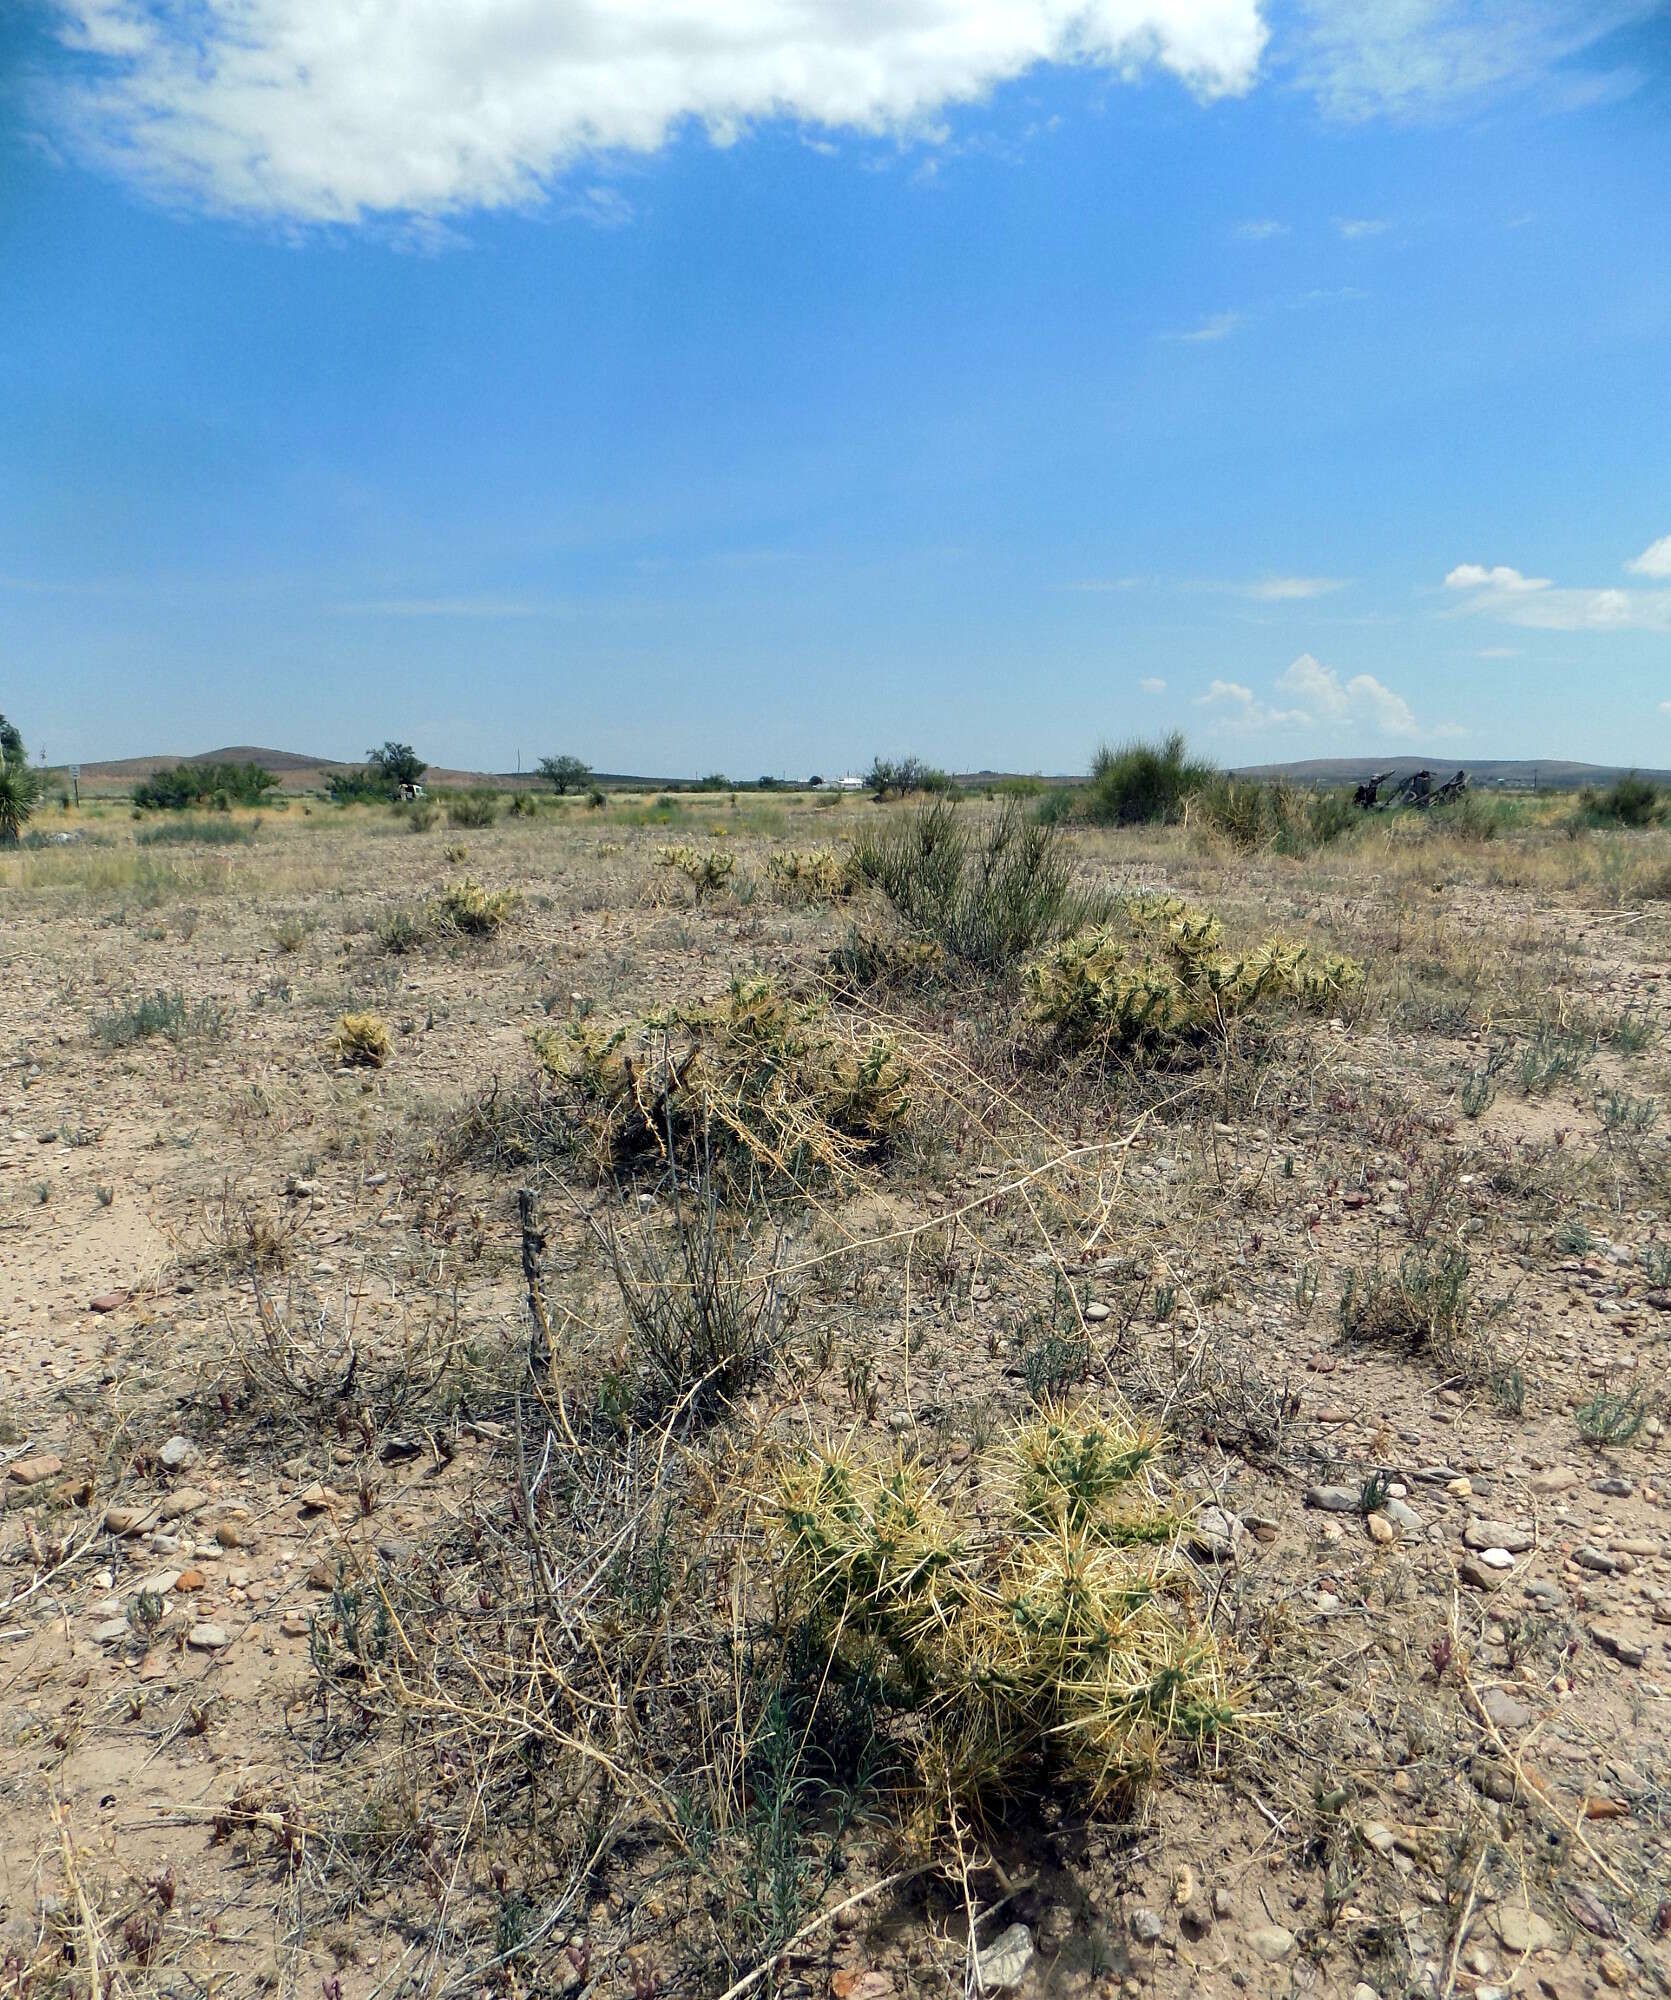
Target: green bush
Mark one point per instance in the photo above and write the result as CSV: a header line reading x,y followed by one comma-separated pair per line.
x,y
193,830
473,809
1140,784
217,785
1629,801
986,895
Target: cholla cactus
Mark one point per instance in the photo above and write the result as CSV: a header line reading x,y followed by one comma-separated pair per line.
x,y
362,1039
1069,1635
811,875
705,872
467,906
1159,975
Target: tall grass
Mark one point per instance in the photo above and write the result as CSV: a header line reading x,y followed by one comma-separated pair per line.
x,y
193,829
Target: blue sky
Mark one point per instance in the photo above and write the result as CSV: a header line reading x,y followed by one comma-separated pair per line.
x,y
758,387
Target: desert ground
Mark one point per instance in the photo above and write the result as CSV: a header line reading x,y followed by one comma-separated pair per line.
x,y
399,1600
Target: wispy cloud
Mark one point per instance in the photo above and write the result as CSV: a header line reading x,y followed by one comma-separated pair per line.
x,y
1289,589
1218,326
1355,227
1502,592
311,111
1261,229
1152,684
1421,58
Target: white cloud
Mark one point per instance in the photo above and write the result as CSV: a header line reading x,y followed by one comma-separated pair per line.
x,y
326,111
1152,684
1363,699
1219,326
1353,227
1260,230
1665,708
1363,705
1287,589
1655,559
1536,602
1415,58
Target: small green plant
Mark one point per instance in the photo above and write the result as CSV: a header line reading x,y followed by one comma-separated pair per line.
x,y
1478,1093
1627,1116
1553,1056
1374,1493
1572,1239
158,1013
1508,1389
193,830
1607,1420
1656,1264
401,932
1055,1362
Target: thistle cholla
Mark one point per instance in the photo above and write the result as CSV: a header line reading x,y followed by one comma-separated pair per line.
x,y
1159,974
1070,1636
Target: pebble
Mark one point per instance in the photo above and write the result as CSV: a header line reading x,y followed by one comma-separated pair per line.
x,y
1626,1651
177,1454
1145,1926
1381,1529
1504,1710
1214,1533
207,1638
1523,1930
1557,1479
1272,1942
1475,1573
112,1632
181,1504
1403,1515
1496,1558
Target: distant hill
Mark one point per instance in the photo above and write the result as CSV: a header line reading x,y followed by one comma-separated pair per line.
x,y
1520,774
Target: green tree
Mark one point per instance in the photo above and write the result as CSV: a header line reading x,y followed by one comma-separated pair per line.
x,y
564,774
396,764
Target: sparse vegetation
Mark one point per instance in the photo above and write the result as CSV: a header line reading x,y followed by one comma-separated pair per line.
x,y
362,1040
219,785
476,911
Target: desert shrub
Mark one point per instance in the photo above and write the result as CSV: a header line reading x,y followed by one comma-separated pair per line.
x,y
472,809
159,1013
768,1081
20,785
1251,813
468,907
1629,801
705,870
596,798
417,815
400,932
1424,1305
361,1039
1069,1642
220,785
564,774
1140,783
867,957
898,777
1156,975
811,875
193,830
986,897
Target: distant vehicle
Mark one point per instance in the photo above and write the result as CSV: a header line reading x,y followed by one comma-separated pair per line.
x,y
408,793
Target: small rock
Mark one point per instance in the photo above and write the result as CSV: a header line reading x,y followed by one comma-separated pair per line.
x,y
1222,1902
189,1580
1523,1930
1334,1499
1477,1575
107,1302
1504,1710
1497,1535
1626,1651
182,1503
1403,1515
1557,1479
112,1632
1597,1561
177,1454
207,1638
316,1499
868,1985
293,1625
31,1471
1145,1926
1460,1488
1381,1529
1272,1942
1005,1961
1096,1312
1214,1534
125,1520
1496,1559
1614,1970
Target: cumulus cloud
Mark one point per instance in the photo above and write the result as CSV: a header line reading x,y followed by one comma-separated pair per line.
x,y
1322,702
322,111
1655,559
1152,684
1534,601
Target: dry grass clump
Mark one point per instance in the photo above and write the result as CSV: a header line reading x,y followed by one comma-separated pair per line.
x,y
468,907
1157,974
362,1039
1067,1639
811,875
1425,1305
782,1088
705,871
